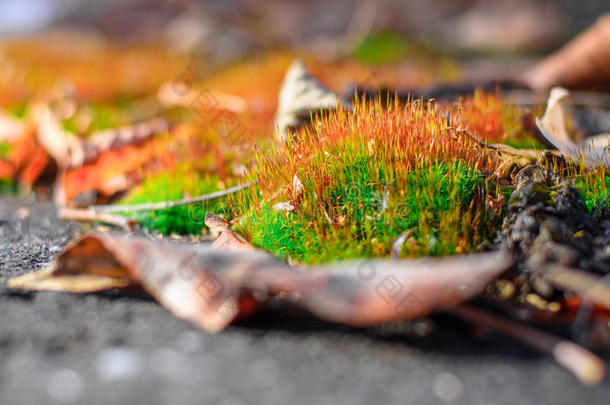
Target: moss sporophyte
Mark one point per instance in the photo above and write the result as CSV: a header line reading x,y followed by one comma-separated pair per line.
x,y
366,176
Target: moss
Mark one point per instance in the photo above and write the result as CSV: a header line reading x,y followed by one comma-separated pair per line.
x,y
438,203
187,219
593,187
369,175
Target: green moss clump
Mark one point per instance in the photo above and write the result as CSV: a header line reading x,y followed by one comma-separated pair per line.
x,y
186,219
360,178
593,188
438,203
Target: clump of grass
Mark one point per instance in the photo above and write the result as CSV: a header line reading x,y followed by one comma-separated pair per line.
x,y
360,178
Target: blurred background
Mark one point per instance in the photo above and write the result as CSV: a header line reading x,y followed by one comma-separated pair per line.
x,y
229,29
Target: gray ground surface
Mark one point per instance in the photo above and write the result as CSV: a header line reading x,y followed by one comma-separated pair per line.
x,y
118,348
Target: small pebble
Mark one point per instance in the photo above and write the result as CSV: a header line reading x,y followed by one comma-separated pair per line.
x,y
117,363
65,385
448,387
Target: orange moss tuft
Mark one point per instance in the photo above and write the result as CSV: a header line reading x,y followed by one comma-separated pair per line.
x,y
403,137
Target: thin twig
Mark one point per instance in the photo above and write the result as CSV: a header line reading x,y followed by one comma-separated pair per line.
x,y
587,285
501,148
586,366
476,139
89,215
169,204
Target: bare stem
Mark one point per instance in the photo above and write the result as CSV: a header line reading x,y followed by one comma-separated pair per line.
x,y
589,286
169,204
586,366
91,216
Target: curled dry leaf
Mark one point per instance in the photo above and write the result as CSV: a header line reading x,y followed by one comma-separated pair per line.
x,y
552,125
400,241
583,63
65,148
300,96
26,160
227,239
211,287
43,140
70,151
297,187
117,138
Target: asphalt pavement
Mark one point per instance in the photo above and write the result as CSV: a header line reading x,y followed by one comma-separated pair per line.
x,y
124,348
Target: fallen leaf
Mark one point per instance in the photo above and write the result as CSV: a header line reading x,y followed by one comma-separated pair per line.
x,y
553,127
302,95
117,138
26,161
583,63
227,239
400,241
297,187
211,287
554,121
65,148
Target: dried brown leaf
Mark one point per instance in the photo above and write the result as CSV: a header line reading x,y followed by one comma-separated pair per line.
x,y
583,63
552,125
300,96
227,239
211,287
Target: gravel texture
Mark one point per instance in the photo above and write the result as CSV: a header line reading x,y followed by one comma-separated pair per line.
x,y
123,348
